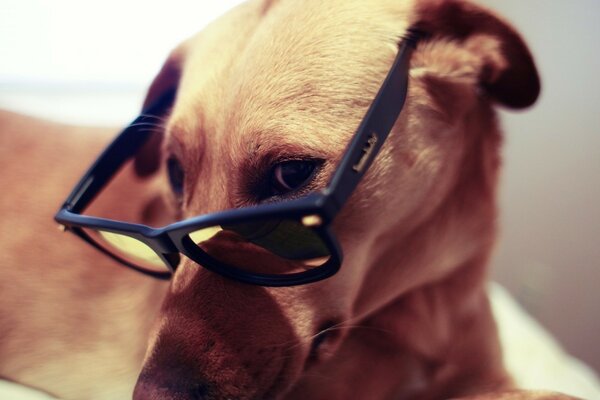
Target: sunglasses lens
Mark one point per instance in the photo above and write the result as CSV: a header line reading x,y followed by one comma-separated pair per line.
x,y
129,249
270,246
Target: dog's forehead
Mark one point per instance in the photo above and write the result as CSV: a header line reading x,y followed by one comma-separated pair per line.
x,y
297,66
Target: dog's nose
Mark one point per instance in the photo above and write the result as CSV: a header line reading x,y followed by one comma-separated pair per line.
x,y
153,387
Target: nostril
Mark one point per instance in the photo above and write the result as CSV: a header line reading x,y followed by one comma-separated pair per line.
x,y
199,392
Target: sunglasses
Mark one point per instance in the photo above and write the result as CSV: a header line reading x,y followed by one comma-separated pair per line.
x,y
280,244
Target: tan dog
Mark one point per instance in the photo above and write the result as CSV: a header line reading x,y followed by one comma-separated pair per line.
x,y
406,317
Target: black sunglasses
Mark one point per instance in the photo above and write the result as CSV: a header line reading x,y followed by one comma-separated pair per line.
x,y
282,244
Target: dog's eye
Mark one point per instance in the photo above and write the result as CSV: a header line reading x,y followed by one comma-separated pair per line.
x,y
288,176
176,175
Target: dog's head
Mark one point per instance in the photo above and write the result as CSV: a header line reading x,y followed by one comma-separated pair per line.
x,y
275,80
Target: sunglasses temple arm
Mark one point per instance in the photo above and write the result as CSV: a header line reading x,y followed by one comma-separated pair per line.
x,y
375,126
127,143
104,169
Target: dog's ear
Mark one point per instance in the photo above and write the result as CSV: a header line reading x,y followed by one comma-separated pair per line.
x,y
147,161
506,70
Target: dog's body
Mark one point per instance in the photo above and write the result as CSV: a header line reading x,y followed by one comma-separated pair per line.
x,y
406,317
66,326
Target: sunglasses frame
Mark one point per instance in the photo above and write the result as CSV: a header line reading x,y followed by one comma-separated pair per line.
x,y
172,240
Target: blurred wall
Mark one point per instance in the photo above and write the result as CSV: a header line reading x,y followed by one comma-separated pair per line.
x,y
549,250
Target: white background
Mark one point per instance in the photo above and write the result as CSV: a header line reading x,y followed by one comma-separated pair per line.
x,y
105,52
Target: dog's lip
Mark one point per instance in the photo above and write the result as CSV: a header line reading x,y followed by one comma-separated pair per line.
x,y
326,340
272,391
331,330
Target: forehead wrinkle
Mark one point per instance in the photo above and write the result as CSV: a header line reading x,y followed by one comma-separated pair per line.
x,y
284,145
263,148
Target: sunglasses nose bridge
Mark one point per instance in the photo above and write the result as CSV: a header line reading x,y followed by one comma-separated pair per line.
x,y
162,243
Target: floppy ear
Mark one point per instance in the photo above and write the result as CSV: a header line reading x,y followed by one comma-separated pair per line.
x,y
506,70
147,161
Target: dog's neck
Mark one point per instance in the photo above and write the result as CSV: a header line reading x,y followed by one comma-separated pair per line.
x,y
436,341
431,308
460,232
442,325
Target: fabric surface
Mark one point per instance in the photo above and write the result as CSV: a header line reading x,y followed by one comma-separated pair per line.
x,y
14,391
533,356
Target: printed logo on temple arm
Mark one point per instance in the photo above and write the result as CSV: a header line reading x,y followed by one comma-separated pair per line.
x,y
367,151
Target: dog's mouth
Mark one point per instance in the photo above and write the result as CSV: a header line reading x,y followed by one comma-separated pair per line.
x,y
325,342
268,375
217,376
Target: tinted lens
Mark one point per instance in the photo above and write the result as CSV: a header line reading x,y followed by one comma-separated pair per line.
x,y
270,246
129,249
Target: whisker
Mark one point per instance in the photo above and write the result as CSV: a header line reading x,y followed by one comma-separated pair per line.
x,y
158,117
146,124
290,345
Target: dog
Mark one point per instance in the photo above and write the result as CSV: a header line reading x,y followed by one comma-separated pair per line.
x,y
407,315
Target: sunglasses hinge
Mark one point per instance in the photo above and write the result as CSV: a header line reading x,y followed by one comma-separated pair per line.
x,y
312,220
